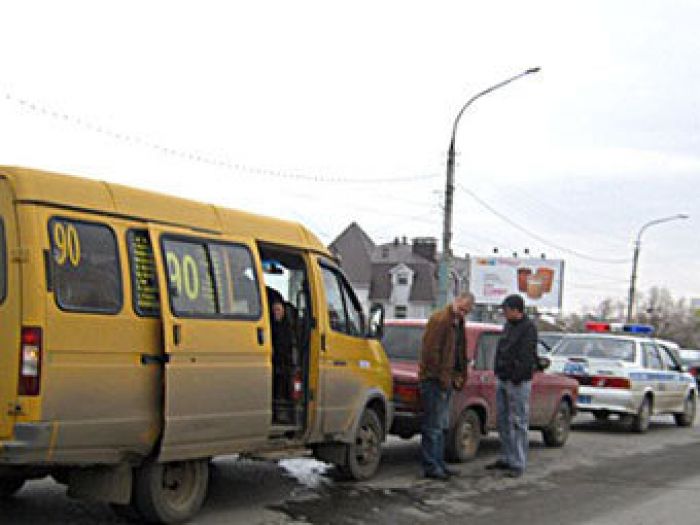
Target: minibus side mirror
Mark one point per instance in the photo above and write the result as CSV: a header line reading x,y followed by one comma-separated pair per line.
x,y
375,328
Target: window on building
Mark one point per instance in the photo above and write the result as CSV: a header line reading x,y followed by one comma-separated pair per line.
x,y
402,279
86,275
400,311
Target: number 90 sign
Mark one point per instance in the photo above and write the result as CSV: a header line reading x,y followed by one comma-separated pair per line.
x,y
67,242
183,273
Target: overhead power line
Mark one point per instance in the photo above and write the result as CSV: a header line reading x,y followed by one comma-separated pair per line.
x,y
198,157
534,235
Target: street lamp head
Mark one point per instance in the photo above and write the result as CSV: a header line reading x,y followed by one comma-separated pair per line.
x,y
533,70
683,216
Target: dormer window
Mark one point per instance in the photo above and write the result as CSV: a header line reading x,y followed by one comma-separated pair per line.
x,y
402,279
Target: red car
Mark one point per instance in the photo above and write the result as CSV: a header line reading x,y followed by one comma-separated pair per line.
x,y
552,402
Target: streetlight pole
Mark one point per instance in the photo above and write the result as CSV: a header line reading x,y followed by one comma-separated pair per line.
x,y
635,259
446,259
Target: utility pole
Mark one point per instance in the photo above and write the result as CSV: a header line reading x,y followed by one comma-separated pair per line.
x,y
446,259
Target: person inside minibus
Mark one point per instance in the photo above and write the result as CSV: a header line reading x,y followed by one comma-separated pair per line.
x,y
283,342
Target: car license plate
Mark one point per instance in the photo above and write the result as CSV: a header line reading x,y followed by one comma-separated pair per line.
x,y
584,399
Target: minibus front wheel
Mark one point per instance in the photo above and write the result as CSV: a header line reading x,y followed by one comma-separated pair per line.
x,y
365,452
170,492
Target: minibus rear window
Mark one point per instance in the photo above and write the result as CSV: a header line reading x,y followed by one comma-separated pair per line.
x,y
86,276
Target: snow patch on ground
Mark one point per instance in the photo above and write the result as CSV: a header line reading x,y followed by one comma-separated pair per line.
x,y
307,471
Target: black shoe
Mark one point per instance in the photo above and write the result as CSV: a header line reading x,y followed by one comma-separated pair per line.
x,y
452,472
439,476
497,465
514,473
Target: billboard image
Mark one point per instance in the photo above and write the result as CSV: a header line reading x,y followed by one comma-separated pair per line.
x,y
538,281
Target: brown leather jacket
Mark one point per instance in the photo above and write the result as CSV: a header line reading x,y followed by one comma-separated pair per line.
x,y
437,357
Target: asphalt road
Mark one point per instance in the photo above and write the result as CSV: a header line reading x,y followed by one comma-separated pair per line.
x,y
603,475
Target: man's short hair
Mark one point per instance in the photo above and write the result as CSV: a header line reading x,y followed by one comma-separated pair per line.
x,y
466,295
514,302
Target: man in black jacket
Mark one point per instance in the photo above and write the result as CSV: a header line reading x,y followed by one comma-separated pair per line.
x,y
516,360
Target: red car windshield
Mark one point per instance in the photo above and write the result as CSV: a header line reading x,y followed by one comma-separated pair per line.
x,y
403,342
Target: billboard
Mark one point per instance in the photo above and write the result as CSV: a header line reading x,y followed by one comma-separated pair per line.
x,y
538,281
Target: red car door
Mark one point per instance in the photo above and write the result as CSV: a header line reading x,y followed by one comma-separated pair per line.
x,y
484,380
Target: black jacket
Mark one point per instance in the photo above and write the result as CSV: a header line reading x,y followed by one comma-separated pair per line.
x,y
516,356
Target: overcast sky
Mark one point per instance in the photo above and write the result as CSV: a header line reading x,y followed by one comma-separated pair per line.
x,y
244,104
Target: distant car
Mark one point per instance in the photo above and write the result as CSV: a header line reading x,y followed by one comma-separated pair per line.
x,y
690,358
550,339
552,403
628,375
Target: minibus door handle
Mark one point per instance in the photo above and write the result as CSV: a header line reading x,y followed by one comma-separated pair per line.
x,y
261,335
150,359
177,334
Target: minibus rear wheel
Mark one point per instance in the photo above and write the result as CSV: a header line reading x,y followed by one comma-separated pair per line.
x,y
365,452
170,492
10,486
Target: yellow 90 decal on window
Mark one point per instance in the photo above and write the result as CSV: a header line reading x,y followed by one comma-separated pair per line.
x,y
67,243
183,273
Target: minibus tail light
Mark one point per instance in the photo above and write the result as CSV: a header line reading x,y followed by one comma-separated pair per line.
x,y
30,362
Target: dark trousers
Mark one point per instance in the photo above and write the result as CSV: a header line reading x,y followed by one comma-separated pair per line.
x,y
436,419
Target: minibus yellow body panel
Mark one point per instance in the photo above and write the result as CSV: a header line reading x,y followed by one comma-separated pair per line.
x,y
217,388
9,310
156,331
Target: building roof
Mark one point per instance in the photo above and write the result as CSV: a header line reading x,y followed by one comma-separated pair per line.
x,y
355,248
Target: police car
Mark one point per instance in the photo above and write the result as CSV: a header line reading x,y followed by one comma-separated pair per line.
x,y
626,373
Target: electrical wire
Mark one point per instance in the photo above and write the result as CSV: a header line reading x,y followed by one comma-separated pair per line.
x,y
198,157
535,235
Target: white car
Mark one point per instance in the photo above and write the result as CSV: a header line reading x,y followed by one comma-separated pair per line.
x,y
627,375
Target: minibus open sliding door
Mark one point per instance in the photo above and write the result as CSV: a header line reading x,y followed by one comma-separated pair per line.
x,y
217,354
10,292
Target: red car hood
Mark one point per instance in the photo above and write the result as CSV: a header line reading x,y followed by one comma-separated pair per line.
x,y
406,371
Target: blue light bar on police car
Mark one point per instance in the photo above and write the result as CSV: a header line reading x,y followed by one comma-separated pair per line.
x,y
638,329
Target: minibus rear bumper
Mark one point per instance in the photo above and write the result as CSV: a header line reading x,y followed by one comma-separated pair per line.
x,y
30,444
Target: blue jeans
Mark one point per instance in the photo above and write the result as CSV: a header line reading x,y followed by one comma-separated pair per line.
x,y
513,407
436,422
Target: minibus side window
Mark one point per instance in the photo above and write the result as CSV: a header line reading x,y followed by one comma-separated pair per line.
x,y
334,299
86,275
190,282
212,280
344,310
3,263
144,280
354,310
237,287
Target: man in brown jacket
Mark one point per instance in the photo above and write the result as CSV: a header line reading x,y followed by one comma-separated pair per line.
x,y
443,366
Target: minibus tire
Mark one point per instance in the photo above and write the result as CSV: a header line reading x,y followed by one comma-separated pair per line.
x,y
170,492
365,453
10,486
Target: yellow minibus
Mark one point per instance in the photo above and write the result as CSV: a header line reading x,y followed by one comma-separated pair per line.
x,y
144,334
